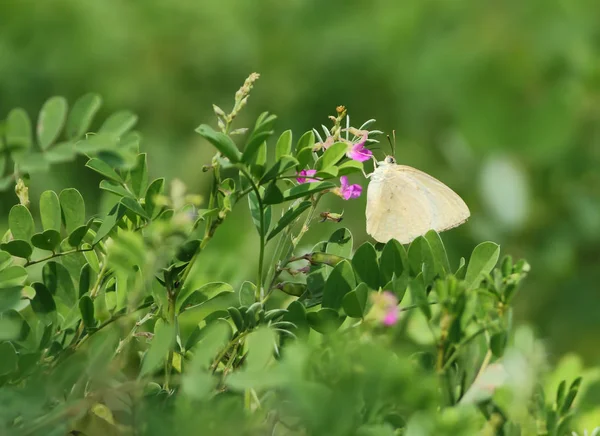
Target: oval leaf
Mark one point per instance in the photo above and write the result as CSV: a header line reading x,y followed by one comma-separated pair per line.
x,y
482,261
51,121
20,222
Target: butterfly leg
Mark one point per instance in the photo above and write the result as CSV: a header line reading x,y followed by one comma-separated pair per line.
x,y
374,167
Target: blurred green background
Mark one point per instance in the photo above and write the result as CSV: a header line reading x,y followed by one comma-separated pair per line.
x,y
497,99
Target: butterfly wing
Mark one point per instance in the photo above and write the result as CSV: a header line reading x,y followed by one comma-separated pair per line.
x,y
404,203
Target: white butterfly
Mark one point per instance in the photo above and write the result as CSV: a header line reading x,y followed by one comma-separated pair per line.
x,y
404,203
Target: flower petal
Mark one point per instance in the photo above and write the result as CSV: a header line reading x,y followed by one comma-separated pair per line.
x,y
302,176
359,153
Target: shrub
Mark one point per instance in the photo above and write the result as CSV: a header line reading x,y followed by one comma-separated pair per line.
x,y
119,333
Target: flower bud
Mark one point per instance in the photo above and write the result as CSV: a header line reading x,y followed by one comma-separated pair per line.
x,y
324,258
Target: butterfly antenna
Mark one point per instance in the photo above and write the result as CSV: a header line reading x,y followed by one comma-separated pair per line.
x,y
394,146
391,144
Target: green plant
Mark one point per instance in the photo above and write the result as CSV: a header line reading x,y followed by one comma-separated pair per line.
x,y
118,332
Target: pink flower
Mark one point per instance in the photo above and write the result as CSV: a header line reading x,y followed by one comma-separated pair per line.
x,y
347,191
359,152
385,308
302,176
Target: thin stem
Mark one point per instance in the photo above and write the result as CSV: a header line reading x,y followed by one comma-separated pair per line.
x,y
486,359
261,254
294,243
173,322
53,255
208,229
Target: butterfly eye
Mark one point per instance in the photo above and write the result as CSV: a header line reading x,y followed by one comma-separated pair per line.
x,y
390,160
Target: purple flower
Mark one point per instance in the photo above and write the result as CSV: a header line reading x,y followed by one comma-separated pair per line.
x,y
347,191
358,151
385,308
302,176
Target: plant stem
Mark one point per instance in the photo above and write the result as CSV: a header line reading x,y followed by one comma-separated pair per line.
x,y
64,253
261,254
173,321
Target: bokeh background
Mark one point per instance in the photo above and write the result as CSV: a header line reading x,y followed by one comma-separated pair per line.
x,y
500,100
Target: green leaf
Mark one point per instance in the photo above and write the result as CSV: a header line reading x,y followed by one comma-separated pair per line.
x,y
237,318
355,302
109,223
278,168
418,295
58,281
73,208
20,222
288,217
82,114
139,175
498,343
420,259
338,284
365,264
47,240
50,211
10,360
77,235
273,194
97,143
60,153
331,156
18,130
135,207
155,188
255,210
398,285
259,161
86,307
325,320
5,260
190,295
221,142
85,280
12,276
394,261
91,257
570,397
187,251
43,304
306,189
115,188
442,265
461,270
162,342
31,162
305,158
103,169
119,123
247,293
284,145
482,261
306,141
350,167
261,344
10,298
296,314
51,121
340,243
18,248
262,130
328,173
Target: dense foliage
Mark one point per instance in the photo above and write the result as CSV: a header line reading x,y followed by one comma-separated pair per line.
x,y
497,99
108,326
